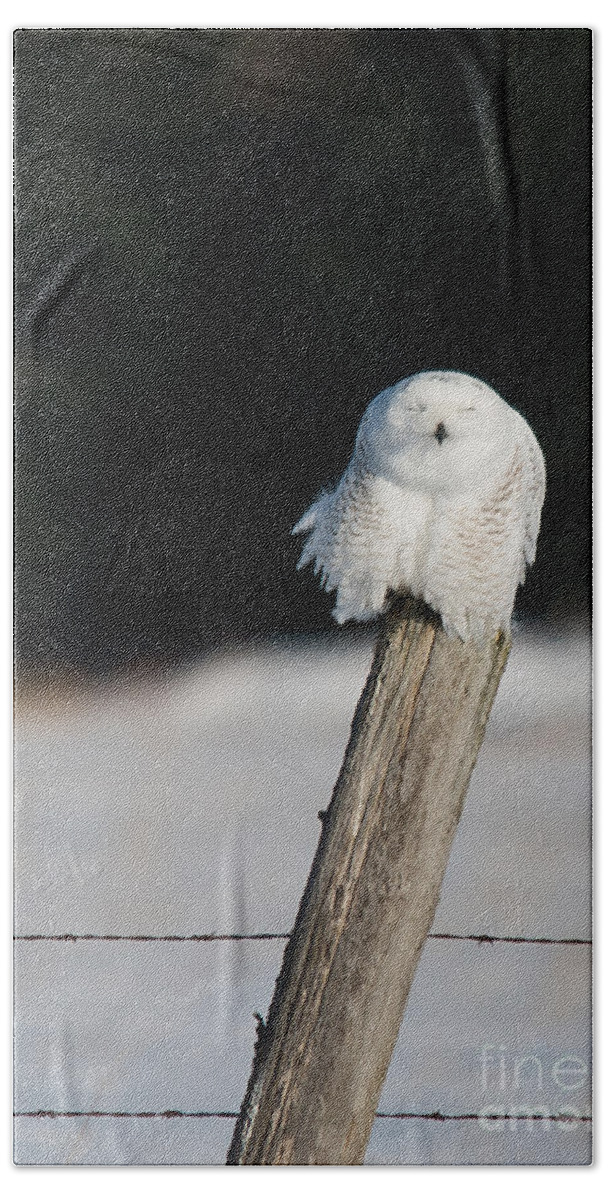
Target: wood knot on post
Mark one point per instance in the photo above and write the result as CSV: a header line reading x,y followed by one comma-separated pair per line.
x,y
260,1029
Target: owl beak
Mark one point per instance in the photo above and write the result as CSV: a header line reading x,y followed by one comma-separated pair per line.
x,y
441,432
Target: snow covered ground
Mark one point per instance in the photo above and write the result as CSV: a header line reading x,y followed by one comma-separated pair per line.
x,y
186,805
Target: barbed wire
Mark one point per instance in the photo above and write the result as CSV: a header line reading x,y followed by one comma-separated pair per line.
x,y
482,938
171,1114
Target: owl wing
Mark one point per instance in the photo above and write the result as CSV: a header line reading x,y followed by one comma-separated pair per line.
x,y
351,542
481,545
533,493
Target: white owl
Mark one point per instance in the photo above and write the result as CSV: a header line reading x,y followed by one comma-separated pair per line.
x,y
441,498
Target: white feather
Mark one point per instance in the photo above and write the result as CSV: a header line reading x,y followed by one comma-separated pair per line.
x,y
442,499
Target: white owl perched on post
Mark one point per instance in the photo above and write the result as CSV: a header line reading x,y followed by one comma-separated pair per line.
x,y
442,499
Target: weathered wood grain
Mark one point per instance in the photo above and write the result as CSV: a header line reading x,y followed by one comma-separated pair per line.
x,y
321,1059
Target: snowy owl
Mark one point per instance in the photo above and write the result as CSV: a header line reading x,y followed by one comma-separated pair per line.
x,y
441,498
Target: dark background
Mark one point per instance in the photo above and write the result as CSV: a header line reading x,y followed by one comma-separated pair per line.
x,y
227,242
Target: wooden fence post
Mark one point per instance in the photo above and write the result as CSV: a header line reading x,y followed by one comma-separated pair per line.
x,y
322,1057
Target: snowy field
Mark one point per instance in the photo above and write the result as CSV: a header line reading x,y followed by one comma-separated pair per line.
x,y
184,805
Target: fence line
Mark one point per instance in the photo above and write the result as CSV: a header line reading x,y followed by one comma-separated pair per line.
x,y
482,938
171,1114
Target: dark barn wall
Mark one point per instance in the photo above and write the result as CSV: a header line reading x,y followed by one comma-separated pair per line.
x,y
226,243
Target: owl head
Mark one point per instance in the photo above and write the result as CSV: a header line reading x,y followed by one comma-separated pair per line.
x,y
438,430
